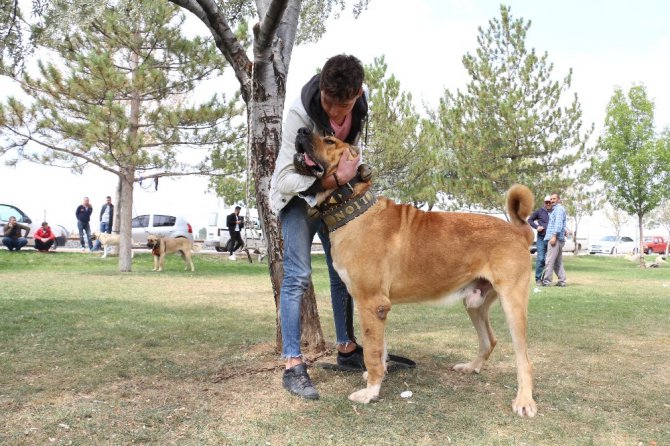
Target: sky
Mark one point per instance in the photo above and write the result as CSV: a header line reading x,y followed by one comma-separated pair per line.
x,y
607,44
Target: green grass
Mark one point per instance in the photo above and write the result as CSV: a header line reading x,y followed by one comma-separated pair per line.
x,y
89,355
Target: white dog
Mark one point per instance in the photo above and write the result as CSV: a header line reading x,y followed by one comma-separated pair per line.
x,y
107,240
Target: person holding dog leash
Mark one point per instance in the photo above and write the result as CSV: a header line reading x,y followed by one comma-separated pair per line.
x,y
331,103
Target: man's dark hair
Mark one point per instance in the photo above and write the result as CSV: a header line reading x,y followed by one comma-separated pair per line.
x,y
237,208
342,77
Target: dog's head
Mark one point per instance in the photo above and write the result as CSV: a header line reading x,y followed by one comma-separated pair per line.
x,y
153,240
318,156
95,235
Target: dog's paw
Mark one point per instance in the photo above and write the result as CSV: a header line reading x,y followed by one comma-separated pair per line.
x,y
364,396
469,367
524,407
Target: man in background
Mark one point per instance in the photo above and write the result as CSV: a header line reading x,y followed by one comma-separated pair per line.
x,y
555,235
235,225
539,221
44,238
106,218
12,237
83,214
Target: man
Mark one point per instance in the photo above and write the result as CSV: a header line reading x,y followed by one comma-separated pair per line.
x,y
332,103
83,214
106,218
555,235
12,237
235,224
44,238
538,221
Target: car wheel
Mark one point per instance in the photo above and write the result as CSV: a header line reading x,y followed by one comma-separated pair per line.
x,y
219,249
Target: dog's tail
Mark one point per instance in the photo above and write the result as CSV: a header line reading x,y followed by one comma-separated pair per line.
x,y
520,202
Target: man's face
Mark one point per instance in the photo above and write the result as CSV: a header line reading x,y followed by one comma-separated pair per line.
x,y
12,220
335,109
554,199
45,227
548,205
85,201
109,201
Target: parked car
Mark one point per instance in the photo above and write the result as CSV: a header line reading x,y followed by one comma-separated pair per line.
x,y
568,247
610,244
654,244
162,225
7,210
218,235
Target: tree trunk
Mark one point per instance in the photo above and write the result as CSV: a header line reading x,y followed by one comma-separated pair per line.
x,y
264,120
640,242
127,178
125,219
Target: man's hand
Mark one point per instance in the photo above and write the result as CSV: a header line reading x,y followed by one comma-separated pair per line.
x,y
347,167
553,240
540,228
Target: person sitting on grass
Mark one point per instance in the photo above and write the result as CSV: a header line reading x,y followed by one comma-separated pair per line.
x,y
44,238
12,237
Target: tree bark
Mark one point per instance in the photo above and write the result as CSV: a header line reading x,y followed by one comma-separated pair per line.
x,y
263,86
640,241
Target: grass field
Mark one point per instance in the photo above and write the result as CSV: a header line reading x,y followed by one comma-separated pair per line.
x,y
92,356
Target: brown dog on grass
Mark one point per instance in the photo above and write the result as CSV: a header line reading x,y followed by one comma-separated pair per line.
x,y
469,257
162,246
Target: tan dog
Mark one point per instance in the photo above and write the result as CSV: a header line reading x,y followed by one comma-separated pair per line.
x,y
162,246
469,257
107,240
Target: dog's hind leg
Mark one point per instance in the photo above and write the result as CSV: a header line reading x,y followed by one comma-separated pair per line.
x,y
373,312
487,339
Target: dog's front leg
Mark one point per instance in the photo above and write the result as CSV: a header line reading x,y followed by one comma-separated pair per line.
x,y
373,321
104,252
155,263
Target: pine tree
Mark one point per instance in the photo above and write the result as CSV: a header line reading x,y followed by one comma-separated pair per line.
x,y
509,125
119,96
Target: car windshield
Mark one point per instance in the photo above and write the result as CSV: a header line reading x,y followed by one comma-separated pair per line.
x,y
608,238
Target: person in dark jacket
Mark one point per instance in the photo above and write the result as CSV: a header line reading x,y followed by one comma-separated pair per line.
x,y
12,237
235,224
331,103
106,218
83,214
539,221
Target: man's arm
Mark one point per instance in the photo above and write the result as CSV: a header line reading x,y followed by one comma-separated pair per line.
x,y
532,220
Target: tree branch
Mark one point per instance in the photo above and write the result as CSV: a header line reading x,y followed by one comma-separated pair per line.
x,y
209,13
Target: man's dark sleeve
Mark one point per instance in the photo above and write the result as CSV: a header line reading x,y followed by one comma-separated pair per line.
x,y
531,220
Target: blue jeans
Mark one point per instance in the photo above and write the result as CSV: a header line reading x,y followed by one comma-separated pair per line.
x,y
104,227
84,227
14,244
541,256
298,230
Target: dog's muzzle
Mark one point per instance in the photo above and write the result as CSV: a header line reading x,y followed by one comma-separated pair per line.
x,y
303,162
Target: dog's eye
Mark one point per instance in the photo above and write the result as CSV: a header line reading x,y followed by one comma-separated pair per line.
x,y
329,141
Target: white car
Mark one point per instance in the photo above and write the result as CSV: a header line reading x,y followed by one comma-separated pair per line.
x,y
610,244
8,210
162,225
